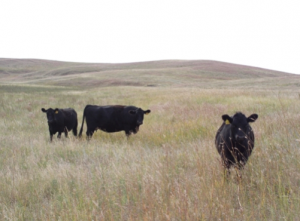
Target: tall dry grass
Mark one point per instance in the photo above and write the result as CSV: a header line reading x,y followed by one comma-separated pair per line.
x,y
169,170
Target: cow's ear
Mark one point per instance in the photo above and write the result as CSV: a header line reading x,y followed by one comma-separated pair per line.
x,y
43,109
147,111
132,111
227,119
252,118
56,111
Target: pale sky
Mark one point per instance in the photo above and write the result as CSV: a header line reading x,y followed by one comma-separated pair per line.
x,y
261,33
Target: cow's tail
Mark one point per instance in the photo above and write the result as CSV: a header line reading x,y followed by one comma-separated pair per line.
x,y
80,132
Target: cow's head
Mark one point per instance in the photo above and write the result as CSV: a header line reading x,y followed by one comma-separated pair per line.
x,y
138,115
51,114
239,125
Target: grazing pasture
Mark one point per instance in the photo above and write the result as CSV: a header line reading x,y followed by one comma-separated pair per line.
x,y
170,169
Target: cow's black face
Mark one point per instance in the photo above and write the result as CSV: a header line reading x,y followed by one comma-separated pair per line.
x,y
51,113
138,115
240,127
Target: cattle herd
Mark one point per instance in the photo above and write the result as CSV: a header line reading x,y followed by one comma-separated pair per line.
x,y
234,139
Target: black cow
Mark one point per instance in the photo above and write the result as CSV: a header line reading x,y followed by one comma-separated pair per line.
x,y
235,140
113,118
61,120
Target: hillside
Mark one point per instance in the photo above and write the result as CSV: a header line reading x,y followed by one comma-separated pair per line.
x,y
170,169
174,73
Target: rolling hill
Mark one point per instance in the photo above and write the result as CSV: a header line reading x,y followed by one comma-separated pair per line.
x,y
167,73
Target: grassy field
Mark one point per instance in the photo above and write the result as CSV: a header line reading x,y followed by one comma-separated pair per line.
x,y
170,169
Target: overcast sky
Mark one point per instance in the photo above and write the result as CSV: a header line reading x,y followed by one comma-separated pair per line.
x,y
261,33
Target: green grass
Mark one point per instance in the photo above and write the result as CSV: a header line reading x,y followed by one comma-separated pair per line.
x,y
169,170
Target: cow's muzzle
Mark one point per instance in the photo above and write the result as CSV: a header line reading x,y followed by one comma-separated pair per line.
x,y
240,138
139,123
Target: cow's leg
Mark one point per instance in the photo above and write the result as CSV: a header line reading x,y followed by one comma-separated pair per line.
x,y
89,133
127,133
75,131
59,135
51,135
66,132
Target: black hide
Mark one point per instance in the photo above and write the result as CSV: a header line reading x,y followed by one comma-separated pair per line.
x,y
61,120
235,139
113,118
